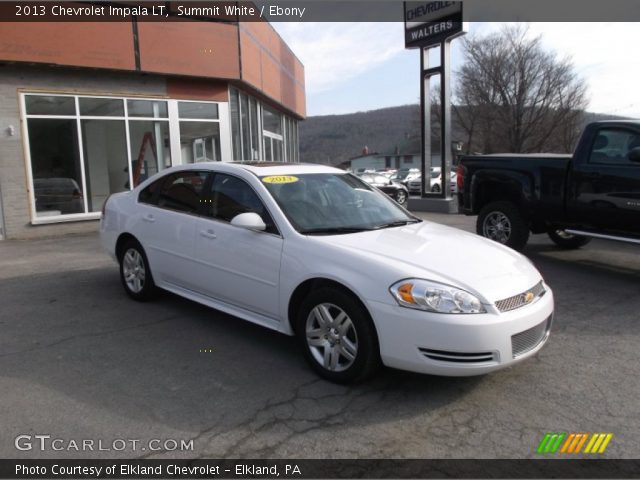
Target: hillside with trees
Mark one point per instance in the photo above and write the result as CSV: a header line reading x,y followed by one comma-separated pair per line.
x,y
333,139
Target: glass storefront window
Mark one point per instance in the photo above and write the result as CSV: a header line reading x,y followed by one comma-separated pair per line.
x,y
234,111
50,105
101,107
150,148
206,111
82,149
55,166
267,150
271,120
80,157
105,160
255,138
277,151
246,127
260,132
147,108
200,142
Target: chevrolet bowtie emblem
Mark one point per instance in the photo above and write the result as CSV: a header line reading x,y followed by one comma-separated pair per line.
x,y
528,297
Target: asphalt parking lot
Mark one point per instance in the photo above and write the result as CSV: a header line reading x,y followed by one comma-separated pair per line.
x,y
79,360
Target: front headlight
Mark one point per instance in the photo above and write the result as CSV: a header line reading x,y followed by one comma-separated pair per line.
x,y
435,297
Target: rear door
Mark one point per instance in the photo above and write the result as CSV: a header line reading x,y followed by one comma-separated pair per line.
x,y
166,227
605,184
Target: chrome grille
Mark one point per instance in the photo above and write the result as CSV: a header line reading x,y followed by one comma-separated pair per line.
x,y
520,300
458,357
526,341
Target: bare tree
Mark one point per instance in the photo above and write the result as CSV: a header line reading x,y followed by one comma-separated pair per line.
x,y
513,95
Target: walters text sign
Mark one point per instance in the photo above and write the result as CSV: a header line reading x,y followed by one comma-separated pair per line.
x,y
429,23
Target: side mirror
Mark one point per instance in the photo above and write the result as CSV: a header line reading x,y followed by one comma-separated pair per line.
x,y
634,155
249,221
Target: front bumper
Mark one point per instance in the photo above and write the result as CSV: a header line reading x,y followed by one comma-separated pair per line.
x,y
460,345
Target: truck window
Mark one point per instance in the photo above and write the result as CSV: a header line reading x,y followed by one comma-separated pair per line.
x,y
612,145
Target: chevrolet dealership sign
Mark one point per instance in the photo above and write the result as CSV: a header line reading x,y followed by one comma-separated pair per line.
x,y
429,23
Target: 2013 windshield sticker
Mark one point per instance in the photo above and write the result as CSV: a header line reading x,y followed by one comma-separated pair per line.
x,y
280,179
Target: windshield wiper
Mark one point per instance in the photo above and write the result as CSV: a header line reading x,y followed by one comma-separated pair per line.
x,y
333,230
398,223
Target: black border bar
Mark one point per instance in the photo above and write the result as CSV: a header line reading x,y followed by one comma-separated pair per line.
x,y
315,469
334,10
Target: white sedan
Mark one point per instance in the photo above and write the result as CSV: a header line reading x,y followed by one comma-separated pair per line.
x,y
315,252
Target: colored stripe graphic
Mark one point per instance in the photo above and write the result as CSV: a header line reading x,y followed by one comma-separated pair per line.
x,y
573,443
551,442
598,442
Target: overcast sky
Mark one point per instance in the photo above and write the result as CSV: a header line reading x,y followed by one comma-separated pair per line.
x,y
354,67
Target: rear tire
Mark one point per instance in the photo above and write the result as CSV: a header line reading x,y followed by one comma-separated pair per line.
x,y
566,240
135,273
502,222
337,336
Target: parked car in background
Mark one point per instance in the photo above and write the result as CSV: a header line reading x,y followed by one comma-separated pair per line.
x,y
415,184
405,175
315,252
59,195
387,172
594,193
397,191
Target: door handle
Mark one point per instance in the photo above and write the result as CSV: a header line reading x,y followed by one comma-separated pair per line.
x,y
208,233
149,218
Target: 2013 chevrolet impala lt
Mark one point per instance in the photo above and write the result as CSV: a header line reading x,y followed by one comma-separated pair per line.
x,y
315,252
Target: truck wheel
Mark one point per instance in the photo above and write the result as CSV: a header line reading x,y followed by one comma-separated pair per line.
x,y
502,222
567,240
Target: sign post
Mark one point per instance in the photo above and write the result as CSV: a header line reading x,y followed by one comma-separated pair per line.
x,y
431,26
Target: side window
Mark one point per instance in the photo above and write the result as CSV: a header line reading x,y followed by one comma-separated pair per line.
x,y
148,195
612,146
231,196
182,191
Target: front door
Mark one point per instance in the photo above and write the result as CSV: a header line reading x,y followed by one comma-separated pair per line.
x,y
607,183
237,266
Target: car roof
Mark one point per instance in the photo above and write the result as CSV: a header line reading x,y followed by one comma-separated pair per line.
x,y
261,169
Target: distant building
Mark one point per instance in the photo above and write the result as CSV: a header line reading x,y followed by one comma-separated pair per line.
x,y
381,161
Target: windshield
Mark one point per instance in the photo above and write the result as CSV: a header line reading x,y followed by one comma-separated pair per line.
x,y
334,203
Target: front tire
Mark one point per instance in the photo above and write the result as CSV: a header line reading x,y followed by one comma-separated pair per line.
x,y
337,336
566,240
135,273
435,188
502,222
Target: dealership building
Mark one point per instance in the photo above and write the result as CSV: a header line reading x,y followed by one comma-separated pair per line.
x,y
90,109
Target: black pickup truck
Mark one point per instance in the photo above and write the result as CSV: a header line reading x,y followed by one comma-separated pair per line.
x,y
593,193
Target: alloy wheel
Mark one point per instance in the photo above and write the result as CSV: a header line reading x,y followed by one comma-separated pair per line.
x,y
331,337
497,227
133,270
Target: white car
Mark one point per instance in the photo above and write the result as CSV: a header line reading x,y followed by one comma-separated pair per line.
x,y
315,252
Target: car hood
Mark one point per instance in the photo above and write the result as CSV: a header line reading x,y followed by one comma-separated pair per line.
x,y
444,254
